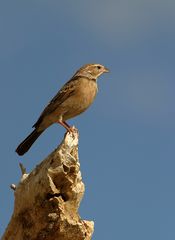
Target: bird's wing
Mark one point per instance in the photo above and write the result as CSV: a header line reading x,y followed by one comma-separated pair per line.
x,y
64,93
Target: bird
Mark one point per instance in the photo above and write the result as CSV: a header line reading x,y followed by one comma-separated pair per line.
x,y
71,100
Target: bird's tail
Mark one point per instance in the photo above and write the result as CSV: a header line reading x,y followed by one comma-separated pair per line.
x,y
27,143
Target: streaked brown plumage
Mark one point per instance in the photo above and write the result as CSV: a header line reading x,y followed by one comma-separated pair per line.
x,y
71,100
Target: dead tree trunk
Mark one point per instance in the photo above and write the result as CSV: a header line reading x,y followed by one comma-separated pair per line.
x,y
47,199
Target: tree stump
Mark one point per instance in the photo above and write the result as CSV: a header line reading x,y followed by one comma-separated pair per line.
x,y
47,200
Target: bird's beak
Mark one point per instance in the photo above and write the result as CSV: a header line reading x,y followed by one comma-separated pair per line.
x,y
105,70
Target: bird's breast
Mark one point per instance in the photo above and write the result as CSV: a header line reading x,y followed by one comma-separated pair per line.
x,y
82,97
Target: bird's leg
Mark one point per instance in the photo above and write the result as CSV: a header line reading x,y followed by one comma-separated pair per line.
x,y
71,128
66,126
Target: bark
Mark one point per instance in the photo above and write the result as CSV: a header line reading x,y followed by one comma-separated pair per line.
x,y
47,200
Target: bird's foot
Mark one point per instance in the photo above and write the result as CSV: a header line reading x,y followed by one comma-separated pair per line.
x,y
72,131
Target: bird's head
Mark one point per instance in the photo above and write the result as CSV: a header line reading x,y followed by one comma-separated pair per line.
x,y
92,71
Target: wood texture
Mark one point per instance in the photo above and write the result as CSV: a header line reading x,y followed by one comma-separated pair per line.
x,y
47,200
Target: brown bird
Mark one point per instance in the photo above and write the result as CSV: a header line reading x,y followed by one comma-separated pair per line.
x,y
71,100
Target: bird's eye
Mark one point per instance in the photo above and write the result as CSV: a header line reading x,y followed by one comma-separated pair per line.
x,y
99,67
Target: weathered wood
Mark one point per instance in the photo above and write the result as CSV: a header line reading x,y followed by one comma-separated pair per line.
x,y
47,199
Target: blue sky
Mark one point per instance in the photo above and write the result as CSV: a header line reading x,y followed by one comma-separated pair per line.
x,y
127,137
